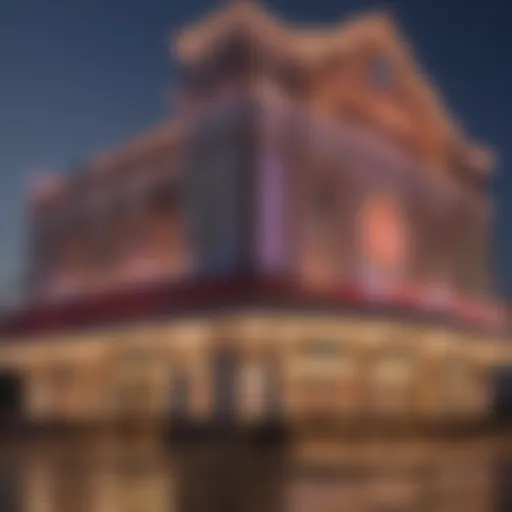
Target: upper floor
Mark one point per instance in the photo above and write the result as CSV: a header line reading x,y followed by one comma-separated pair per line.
x,y
323,156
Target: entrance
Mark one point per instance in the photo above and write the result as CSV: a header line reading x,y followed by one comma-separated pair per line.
x,y
11,397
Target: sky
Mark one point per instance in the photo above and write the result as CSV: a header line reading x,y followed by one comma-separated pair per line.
x,y
80,76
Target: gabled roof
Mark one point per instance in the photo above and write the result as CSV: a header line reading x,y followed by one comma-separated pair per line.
x,y
311,46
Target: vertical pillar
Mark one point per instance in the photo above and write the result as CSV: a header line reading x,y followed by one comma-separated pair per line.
x,y
192,365
285,342
38,399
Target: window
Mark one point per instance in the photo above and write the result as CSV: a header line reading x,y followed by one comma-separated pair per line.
x,y
321,348
318,386
384,234
380,74
325,197
393,368
138,356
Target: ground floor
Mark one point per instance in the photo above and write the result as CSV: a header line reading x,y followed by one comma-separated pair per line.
x,y
252,368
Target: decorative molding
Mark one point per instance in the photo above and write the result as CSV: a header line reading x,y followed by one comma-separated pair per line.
x,y
315,47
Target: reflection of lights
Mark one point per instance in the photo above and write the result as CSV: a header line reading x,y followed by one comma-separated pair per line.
x,y
321,494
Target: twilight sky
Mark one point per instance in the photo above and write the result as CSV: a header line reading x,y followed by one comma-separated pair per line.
x,y
82,75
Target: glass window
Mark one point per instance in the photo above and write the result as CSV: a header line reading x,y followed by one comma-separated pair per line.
x,y
325,197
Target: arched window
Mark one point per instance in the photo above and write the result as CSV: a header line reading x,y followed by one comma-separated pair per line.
x,y
180,395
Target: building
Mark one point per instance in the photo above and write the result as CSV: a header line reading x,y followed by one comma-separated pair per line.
x,y
308,237
363,474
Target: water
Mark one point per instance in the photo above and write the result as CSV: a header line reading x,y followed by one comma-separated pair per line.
x,y
107,473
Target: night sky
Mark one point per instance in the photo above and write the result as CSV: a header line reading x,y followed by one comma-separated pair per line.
x,y
78,76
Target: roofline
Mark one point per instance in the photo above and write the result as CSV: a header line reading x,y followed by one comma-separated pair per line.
x,y
168,300
314,44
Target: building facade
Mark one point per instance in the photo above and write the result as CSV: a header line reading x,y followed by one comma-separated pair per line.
x,y
308,237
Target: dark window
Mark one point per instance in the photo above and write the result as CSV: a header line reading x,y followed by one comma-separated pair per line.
x,y
11,395
325,197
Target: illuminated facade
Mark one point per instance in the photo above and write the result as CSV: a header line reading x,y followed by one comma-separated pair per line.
x,y
307,238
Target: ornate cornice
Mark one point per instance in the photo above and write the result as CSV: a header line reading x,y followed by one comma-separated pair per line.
x,y
315,47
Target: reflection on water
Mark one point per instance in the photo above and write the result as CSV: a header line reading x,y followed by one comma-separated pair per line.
x,y
113,474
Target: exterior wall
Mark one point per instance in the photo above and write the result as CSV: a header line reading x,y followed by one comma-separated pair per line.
x,y
110,224
261,183
461,477
283,366
217,206
364,210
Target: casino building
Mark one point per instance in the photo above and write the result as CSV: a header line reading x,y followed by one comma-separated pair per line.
x,y
307,237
